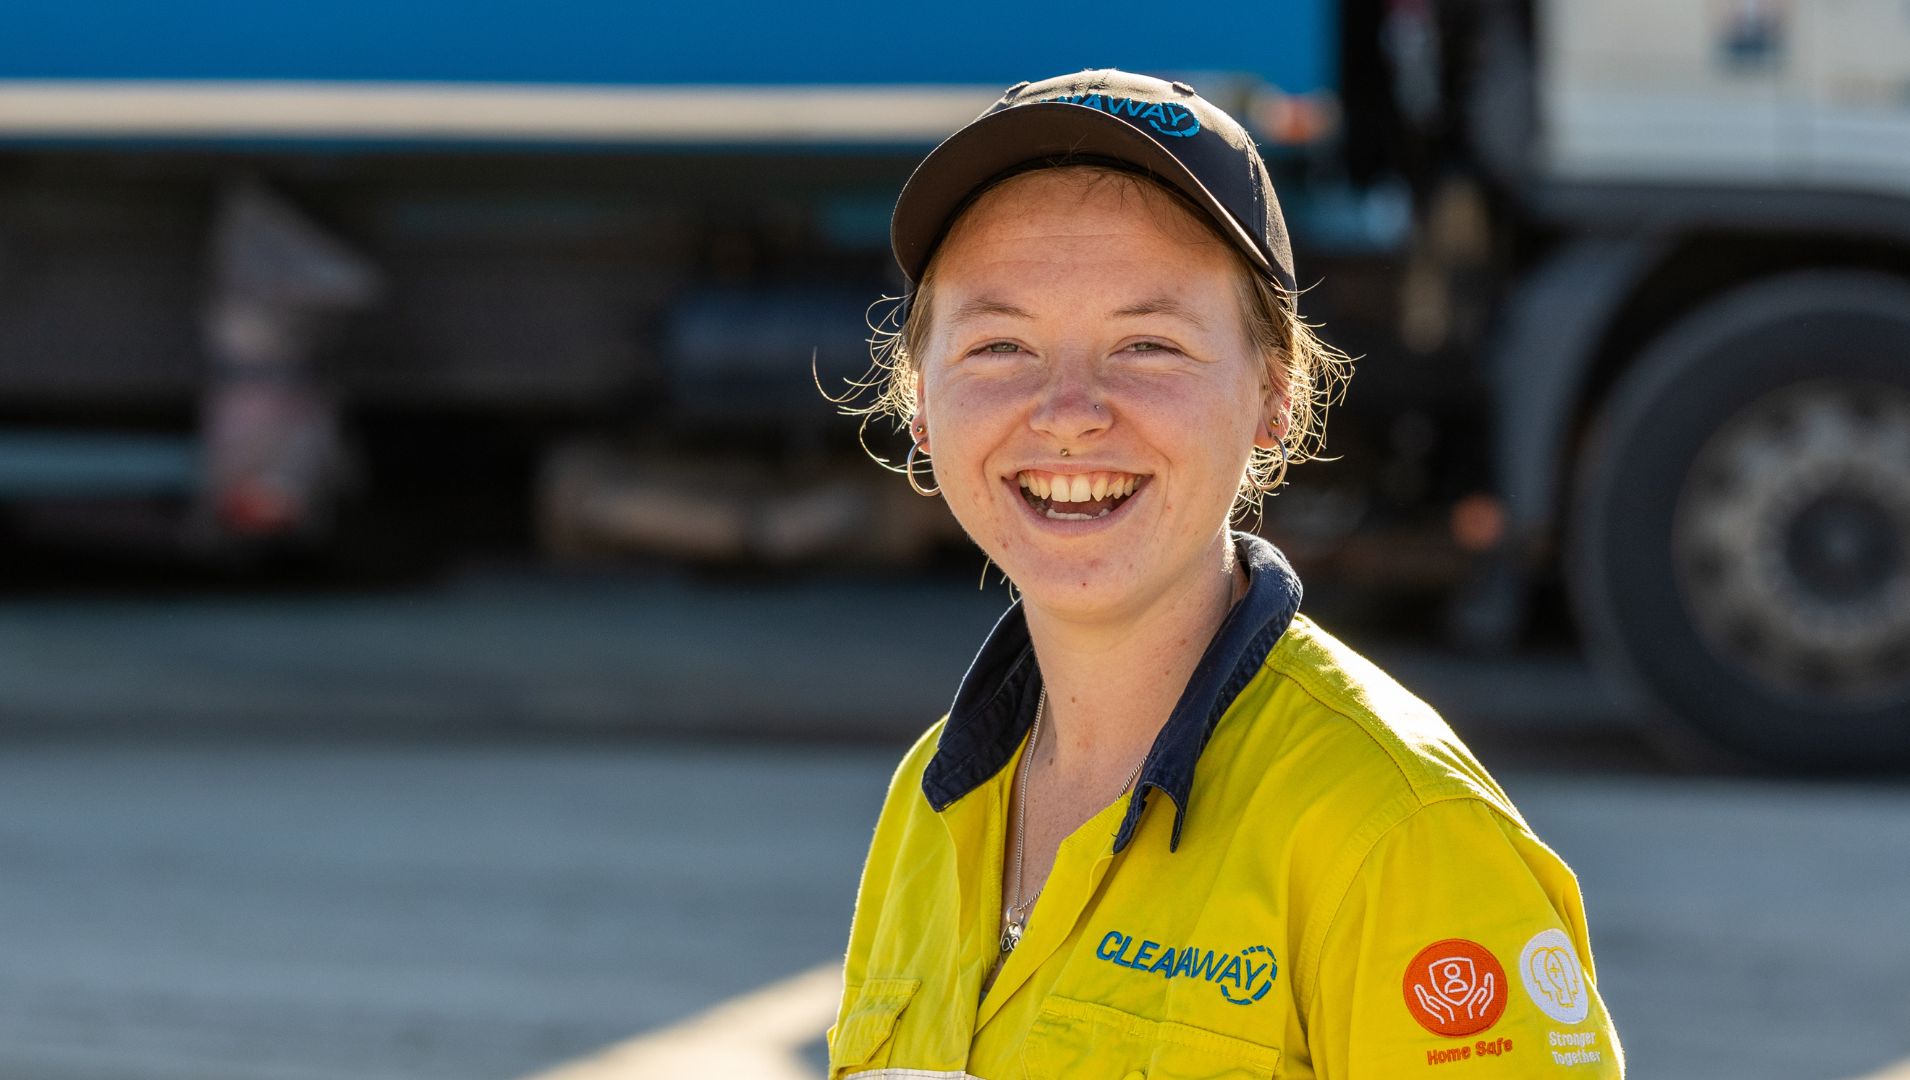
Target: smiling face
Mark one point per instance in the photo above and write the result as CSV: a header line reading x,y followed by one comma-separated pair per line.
x,y
1081,311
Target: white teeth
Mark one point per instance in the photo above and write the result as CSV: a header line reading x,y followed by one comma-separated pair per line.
x,y
1058,515
1078,487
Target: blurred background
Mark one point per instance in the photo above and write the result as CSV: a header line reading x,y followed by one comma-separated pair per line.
x,y
448,633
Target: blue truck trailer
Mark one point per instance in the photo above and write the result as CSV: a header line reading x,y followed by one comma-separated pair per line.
x,y
1628,282
276,230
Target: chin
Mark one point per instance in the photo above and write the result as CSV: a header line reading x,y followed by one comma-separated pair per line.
x,y
1086,584
1081,587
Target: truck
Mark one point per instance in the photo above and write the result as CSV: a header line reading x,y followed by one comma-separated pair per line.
x,y
1699,352
1629,281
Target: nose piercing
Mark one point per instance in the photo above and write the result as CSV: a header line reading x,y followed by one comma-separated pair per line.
x,y
1064,451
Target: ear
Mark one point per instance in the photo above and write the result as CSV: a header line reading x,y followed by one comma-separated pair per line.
x,y
1274,421
918,421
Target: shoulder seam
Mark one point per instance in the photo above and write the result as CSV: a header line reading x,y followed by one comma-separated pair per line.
x,y
1359,866
1367,720
1306,687
1313,982
1346,870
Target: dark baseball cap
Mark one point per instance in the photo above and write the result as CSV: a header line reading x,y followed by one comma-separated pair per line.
x,y
1149,125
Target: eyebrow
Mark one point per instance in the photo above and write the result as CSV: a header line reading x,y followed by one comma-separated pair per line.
x,y
1154,305
988,305
1160,305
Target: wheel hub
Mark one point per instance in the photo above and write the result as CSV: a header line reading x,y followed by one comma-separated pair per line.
x,y
1841,548
1792,541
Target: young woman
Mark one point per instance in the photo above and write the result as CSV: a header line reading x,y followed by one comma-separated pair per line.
x,y
1169,828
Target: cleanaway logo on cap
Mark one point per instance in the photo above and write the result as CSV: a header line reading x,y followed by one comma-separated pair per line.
x,y
1165,118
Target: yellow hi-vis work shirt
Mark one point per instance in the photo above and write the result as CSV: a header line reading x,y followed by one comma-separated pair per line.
x,y
1313,878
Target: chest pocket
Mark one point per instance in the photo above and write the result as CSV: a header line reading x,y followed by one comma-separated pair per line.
x,y
862,1039
1076,1040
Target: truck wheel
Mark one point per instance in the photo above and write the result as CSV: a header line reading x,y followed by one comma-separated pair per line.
x,y
1741,546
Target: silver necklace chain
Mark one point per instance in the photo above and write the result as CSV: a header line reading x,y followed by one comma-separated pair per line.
x,y
1016,917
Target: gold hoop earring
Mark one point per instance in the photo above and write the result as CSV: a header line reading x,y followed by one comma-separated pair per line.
x,y
908,470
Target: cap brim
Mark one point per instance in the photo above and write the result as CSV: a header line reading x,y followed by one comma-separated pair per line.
x,y
999,142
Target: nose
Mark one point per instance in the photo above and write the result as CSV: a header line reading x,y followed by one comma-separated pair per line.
x,y
1070,408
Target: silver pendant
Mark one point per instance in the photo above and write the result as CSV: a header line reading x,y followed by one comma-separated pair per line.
x,y
1011,936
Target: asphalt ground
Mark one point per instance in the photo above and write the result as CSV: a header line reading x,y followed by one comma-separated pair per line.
x,y
511,653
490,829
373,911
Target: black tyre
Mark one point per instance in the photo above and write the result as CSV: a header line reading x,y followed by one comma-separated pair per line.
x,y
1741,542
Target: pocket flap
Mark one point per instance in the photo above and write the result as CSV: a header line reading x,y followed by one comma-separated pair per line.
x,y
869,1021
1078,1038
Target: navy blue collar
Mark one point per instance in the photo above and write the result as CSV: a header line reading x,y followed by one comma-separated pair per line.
x,y
996,703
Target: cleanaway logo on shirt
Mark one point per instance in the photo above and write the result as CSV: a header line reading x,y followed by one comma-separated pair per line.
x,y
1243,977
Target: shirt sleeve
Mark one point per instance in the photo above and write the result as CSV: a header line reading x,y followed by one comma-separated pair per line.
x,y
885,860
1460,948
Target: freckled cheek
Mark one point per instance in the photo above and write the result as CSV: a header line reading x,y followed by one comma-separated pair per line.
x,y
961,467
979,401
965,427
1205,438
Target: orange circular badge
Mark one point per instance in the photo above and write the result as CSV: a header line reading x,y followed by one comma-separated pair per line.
x,y
1455,988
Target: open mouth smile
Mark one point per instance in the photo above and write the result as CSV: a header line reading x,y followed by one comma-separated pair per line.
x,y
1077,496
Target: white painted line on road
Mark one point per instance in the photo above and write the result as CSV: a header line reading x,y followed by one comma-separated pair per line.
x,y
758,1035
